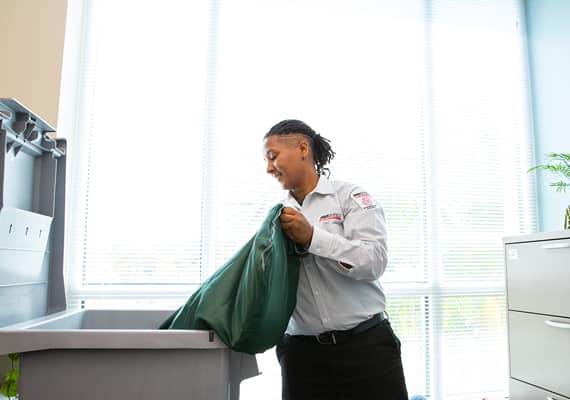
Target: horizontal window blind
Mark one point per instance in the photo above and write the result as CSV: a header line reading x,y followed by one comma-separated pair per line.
x,y
136,221
426,105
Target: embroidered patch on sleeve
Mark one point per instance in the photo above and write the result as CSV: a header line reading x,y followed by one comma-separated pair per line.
x,y
364,200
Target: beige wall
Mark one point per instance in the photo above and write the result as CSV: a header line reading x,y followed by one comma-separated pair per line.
x,y
32,36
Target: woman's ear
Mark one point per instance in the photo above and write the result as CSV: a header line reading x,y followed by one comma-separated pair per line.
x,y
304,149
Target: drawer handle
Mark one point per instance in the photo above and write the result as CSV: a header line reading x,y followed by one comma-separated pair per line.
x,y
556,246
556,324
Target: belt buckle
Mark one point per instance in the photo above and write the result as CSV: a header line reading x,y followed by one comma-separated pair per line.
x,y
322,338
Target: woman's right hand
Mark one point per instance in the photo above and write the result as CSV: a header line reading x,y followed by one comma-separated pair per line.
x,y
296,226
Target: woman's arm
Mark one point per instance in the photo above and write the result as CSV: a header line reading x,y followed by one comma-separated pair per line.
x,y
361,252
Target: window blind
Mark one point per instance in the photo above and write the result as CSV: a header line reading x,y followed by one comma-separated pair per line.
x,y
136,220
426,105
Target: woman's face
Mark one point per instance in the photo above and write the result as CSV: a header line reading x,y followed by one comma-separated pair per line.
x,y
284,156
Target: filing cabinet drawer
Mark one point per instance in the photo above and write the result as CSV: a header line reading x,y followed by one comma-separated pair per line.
x,y
522,391
538,276
540,350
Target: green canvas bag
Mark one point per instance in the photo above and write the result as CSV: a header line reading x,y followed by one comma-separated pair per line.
x,y
249,300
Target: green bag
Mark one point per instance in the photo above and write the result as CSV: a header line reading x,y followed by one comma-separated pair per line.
x,y
249,300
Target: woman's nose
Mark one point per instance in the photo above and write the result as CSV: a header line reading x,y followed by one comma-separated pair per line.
x,y
270,167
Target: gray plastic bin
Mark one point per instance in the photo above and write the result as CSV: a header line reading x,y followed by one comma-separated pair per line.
x,y
116,354
85,354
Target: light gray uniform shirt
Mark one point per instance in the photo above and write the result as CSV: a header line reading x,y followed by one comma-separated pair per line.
x,y
348,227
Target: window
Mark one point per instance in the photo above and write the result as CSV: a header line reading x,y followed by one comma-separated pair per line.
x,y
426,104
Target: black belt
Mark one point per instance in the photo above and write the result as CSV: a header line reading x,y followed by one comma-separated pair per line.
x,y
337,337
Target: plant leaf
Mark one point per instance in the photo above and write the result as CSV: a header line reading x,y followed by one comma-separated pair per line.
x,y
9,389
559,156
534,168
560,186
12,375
14,357
558,164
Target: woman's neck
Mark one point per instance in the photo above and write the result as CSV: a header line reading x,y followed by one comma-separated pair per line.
x,y
308,186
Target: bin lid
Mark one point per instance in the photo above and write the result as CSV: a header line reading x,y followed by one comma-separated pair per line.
x,y
10,105
32,215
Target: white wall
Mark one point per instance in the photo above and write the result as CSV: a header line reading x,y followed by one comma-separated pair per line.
x,y
548,33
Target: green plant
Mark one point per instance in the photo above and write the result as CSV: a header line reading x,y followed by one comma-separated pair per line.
x,y
559,165
10,386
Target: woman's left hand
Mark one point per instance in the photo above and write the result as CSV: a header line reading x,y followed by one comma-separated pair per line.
x,y
296,226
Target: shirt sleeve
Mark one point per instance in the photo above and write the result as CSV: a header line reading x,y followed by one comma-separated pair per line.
x,y
363,246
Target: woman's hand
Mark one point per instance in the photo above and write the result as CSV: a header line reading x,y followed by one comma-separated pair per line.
x,y
296,226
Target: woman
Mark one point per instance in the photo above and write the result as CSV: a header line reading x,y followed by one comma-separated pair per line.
x,y
339,343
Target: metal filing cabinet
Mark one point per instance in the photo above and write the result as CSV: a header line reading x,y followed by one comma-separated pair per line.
x,y
538,299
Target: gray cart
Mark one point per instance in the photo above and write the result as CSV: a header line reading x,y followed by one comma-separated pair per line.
x,y
84,354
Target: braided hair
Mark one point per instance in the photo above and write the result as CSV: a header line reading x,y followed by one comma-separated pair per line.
x,y
320,146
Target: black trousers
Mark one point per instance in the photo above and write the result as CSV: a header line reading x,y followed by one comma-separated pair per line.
x,y
367,366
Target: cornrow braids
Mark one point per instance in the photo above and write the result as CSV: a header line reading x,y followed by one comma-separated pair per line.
x,y
320,145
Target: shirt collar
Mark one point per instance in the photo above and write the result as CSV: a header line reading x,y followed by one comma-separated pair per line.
x,y
324,187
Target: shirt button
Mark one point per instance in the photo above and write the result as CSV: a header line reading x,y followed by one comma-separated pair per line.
x,y
325,320
316,292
